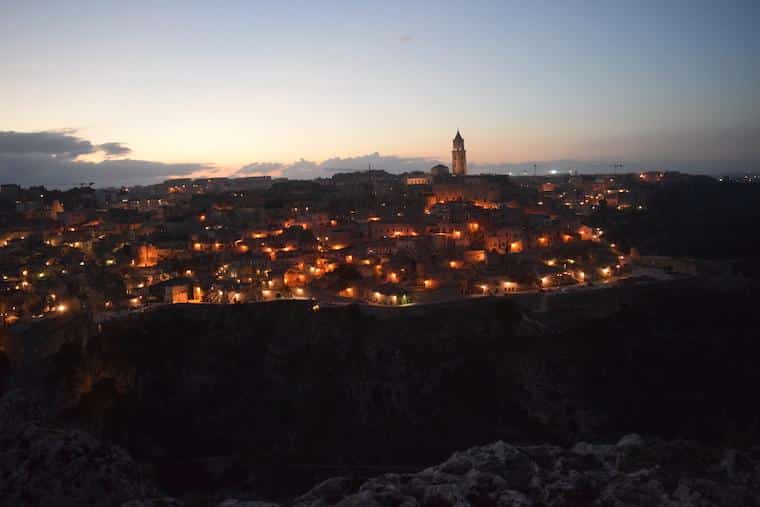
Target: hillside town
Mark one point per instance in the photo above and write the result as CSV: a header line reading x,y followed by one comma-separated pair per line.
x,y
370,237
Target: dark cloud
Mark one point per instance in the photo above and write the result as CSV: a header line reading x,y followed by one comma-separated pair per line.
x,y
54,143
58,172
51,159
114,149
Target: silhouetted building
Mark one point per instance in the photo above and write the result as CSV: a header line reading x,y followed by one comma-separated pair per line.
x,y
439,171
459,156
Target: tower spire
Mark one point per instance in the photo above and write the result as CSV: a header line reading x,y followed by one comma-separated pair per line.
x,y
458,156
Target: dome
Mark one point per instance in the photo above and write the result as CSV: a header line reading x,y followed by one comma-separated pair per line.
x,y
439,170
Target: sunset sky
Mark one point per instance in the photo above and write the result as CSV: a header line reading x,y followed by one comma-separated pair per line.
x,y
290,87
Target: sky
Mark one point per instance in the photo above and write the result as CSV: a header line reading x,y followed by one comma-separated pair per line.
x,y
129,92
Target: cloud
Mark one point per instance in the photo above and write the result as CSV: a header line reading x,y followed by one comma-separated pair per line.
x,y
301,169
51,158
307,169
261,169
390,163
114,149
56,172
54,143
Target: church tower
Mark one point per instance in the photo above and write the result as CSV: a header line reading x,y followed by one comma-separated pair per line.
x,y
459,157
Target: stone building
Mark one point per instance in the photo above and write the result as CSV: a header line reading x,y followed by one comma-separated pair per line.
x,y
459,156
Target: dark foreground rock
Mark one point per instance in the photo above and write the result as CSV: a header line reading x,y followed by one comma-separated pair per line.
x,y
634,472
40,465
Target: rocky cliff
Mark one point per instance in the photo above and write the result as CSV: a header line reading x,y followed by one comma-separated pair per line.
x,y
271,399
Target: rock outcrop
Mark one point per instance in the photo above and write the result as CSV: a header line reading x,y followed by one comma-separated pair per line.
x,y
634,472
46,466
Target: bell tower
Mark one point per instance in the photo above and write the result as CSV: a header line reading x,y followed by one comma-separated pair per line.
x,y
459,156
